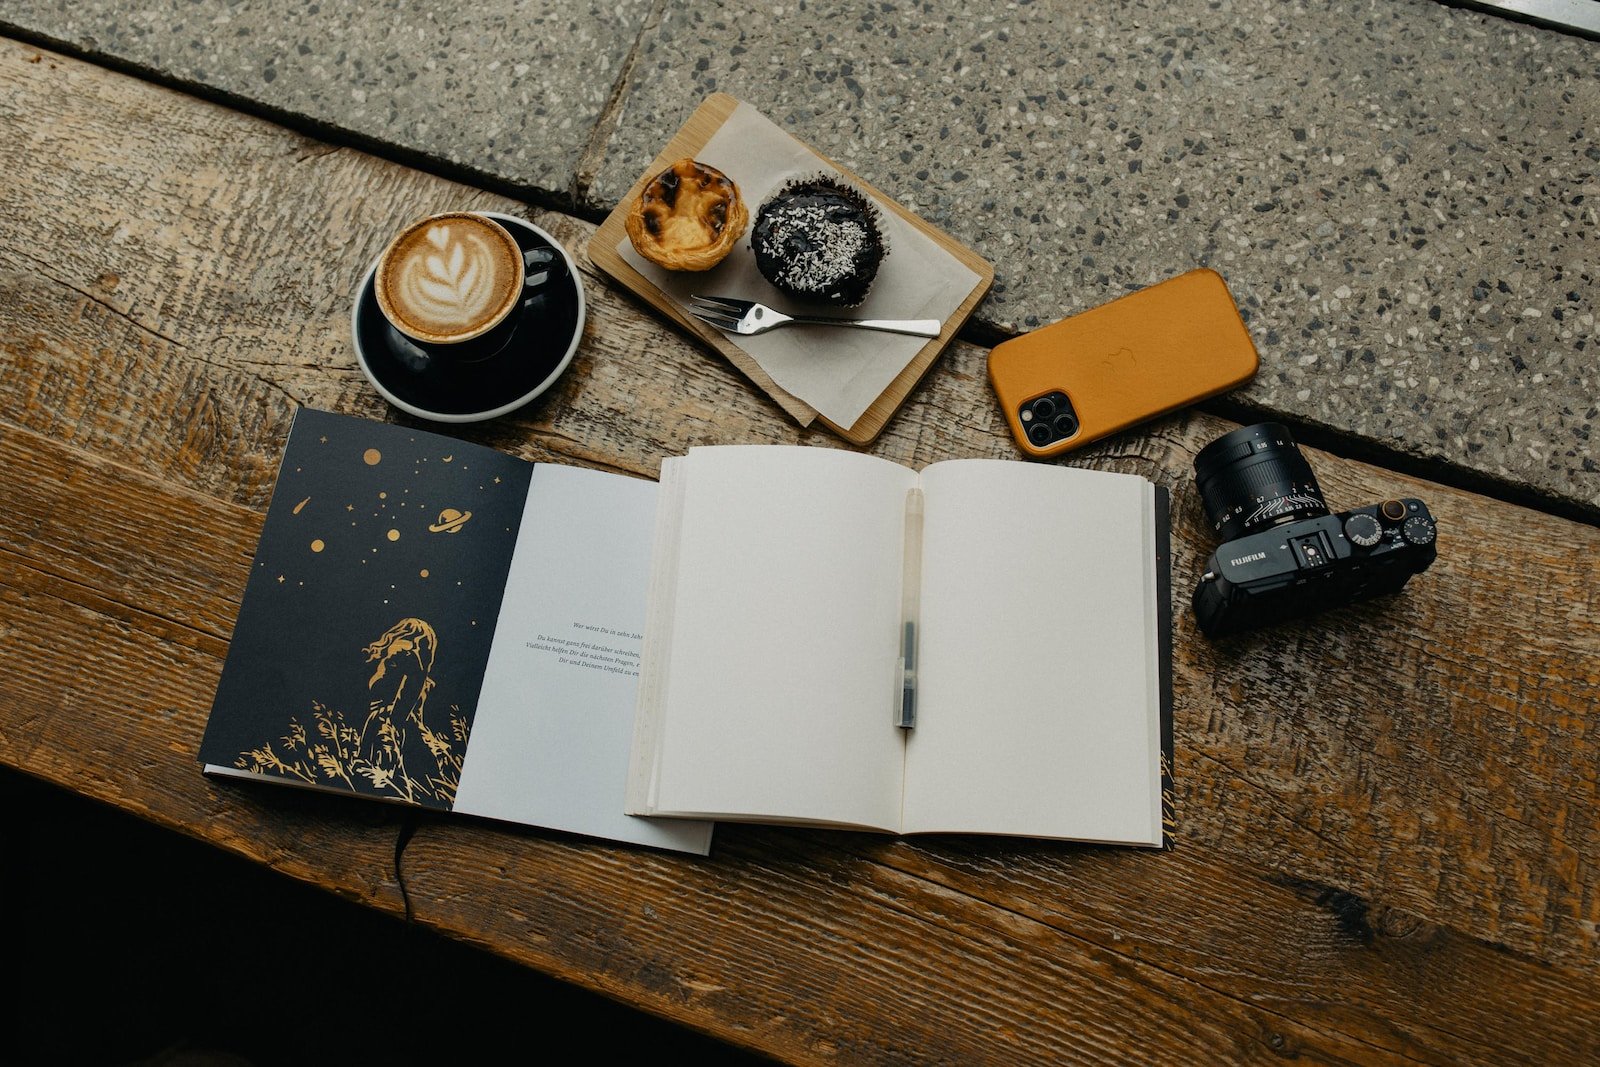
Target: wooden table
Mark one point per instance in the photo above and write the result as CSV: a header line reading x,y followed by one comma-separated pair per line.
x,y
1388,816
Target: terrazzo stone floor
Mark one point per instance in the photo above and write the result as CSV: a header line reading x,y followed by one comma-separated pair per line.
x,y
497,88
1402,195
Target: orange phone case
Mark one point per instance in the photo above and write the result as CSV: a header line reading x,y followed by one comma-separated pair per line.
x,y
1139,356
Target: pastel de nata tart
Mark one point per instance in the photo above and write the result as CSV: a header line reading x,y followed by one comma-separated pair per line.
x,y
819,239
688,217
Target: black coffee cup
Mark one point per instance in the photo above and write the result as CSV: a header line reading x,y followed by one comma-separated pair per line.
x,y
455,286
543,267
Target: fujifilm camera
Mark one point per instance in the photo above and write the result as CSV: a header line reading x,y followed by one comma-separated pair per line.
x,y
1283,555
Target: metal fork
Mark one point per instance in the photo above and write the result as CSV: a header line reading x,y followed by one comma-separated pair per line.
x,y
748,318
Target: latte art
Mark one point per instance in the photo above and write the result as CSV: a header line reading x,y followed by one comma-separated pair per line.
x,y
452,287
450,278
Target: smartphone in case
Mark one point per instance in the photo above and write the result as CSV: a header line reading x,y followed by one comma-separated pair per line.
x,y
1142,355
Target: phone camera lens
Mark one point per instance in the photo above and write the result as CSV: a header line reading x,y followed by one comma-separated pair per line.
x,y
1065,424
1040,434
1044,408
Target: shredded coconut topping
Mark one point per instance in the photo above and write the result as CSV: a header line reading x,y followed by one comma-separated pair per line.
x,y
819,239
815,247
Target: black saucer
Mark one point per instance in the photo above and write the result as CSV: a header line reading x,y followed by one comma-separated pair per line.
x,y
538,349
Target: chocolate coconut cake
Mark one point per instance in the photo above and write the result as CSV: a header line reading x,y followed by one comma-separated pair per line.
x,y
819,239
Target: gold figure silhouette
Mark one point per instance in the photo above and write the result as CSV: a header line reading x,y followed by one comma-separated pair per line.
x,y
394,751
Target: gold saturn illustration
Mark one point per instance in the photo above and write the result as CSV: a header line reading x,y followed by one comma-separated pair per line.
x,y
450,521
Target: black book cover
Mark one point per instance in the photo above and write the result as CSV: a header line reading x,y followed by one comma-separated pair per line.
x,y
366,625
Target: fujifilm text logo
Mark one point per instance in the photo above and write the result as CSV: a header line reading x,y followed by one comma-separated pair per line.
x,y
1251,558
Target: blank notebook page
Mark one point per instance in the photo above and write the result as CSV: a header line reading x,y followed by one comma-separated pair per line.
x,y
780,680
1038,700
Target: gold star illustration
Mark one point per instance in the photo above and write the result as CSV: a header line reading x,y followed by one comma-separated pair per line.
x,y
280,579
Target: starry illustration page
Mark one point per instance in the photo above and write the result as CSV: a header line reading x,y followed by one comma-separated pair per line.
x,y
435,623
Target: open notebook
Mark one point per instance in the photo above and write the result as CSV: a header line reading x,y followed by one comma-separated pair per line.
x,y
785,584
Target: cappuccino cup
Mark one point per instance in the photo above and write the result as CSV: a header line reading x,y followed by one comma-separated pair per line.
x,y
455,284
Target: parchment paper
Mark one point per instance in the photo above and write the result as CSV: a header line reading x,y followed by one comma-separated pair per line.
x,y
838,371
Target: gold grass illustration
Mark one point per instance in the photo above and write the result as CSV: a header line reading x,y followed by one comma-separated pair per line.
x,y
1169,810
393,751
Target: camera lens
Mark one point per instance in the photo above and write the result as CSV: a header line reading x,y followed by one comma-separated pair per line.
x,y
1065,424
1039,434
1255,478
1043,408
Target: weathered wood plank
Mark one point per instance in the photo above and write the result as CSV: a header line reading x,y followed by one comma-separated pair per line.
x,y
1388,815
116,597
1079,957
850,936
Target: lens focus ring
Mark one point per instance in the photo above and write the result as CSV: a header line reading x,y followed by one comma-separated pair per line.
x,y
1255,478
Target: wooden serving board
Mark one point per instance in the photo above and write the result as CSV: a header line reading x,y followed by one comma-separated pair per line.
x,y
707,119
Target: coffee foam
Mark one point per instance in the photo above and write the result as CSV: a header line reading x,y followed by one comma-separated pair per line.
x,y
450,278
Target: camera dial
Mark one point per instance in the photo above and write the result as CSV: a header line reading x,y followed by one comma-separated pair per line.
x,y
1418,530
1364,530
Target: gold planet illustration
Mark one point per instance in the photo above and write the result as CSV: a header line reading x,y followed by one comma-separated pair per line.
x,y
450,521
